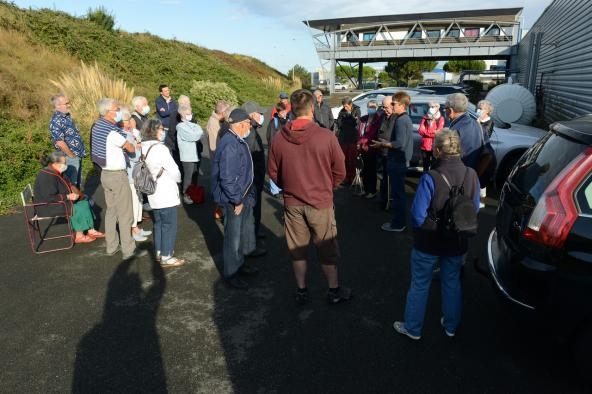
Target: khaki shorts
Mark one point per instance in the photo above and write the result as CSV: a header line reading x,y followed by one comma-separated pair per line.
x,y
302,222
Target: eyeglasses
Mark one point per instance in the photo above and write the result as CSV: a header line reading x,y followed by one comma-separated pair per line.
x,y
66,103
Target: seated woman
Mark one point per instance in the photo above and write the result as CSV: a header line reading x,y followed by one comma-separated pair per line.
x,y
51,186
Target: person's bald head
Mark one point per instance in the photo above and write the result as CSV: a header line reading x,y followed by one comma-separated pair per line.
x,y
387,105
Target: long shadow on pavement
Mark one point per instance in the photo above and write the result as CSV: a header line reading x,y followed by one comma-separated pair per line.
x,y
122,352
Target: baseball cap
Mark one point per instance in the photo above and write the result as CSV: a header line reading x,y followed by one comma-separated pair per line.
x,y
238,115
284,95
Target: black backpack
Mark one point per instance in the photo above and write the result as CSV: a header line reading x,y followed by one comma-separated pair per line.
x,y
458,216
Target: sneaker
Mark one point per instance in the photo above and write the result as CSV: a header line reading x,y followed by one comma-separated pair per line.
x,y
301,296
248,270
258,252
187,200
370,195
342,294
138,237
237,283
136,253
449,334
117,249
399,327
145,233
387,227
172,262
481,205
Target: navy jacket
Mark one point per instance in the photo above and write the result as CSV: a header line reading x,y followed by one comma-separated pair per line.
x,y
232,172
470,138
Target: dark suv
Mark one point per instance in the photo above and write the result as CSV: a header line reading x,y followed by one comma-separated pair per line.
x,y
540,252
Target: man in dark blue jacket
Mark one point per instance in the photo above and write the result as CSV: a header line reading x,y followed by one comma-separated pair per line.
x,y
233,190
468,129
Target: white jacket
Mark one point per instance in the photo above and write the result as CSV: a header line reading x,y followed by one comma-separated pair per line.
x,y
167,191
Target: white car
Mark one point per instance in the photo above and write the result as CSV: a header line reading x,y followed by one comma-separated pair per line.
x,y
339,86
509,141
361,100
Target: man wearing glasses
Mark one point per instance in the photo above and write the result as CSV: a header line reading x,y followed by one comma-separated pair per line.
x,y
66,137
399,151
107,151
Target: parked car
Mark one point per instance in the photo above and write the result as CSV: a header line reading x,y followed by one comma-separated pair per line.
x,y
361,100
339,86
445,89
540,251
509,141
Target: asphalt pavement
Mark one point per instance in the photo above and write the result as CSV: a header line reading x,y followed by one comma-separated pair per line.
x,y
80,321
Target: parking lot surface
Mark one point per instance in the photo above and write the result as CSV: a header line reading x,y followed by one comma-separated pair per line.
x,y
81,321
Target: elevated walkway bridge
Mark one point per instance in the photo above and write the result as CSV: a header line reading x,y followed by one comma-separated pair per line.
x,y
475,34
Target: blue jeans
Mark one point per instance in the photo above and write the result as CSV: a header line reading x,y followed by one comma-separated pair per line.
x,y
422,265
396,172
273,188
74,170
239,238
165,230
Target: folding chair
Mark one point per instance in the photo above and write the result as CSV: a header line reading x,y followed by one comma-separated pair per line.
x,y
38,234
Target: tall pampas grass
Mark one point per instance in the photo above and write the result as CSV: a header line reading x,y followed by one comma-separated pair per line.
x,y
85,87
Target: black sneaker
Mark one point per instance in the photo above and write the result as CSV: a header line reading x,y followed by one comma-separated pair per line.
x,y
237,283
301,296
248,270
340,295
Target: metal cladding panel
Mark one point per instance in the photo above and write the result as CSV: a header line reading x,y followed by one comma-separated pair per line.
x,y
563,64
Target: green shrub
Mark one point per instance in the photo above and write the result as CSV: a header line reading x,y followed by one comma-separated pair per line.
x,y
101,17
21,147
205,94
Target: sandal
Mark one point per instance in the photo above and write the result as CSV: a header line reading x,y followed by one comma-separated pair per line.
x,y
172,262
95,234
84,239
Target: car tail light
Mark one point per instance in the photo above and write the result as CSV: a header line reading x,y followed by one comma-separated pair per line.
x,y
556,211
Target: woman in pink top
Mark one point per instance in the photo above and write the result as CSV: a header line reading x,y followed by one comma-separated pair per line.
x,y
432,122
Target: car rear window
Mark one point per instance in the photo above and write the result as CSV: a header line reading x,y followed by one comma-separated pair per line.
x,y
541,163
584,197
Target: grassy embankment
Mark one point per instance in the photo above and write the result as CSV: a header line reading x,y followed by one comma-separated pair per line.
x,y
40,46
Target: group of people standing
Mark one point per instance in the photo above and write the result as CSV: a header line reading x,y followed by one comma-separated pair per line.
x,y
120,137
306,162
384,139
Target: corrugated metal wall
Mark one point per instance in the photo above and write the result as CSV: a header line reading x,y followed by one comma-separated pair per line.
x,y
555,60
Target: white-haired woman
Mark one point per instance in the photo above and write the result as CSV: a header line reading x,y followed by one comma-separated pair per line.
x,y
431,245
484,110
432,122
165,199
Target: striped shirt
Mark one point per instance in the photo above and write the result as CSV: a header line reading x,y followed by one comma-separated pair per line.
x,y
98,140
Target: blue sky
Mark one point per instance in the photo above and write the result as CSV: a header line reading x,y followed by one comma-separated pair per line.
x,y
271,31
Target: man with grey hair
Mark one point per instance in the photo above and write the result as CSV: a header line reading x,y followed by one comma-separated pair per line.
x,y
108,145
322,112
141,111
66,137
213,125
468,129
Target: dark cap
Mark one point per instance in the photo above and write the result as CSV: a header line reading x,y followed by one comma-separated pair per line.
x,y
238,115
284,95
251,106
